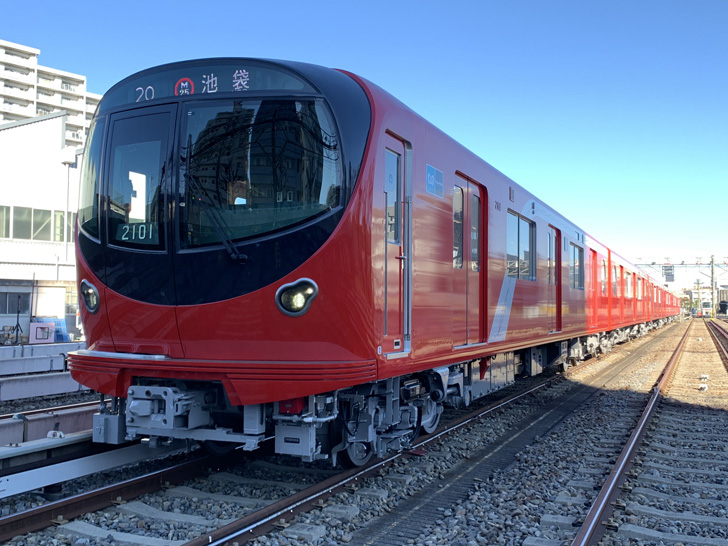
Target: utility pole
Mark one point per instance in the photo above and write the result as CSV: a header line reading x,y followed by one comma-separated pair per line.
x,y
700,301
712,286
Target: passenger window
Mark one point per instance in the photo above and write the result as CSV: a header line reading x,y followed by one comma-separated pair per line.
x,y
628,284
576,269
520,234
551,258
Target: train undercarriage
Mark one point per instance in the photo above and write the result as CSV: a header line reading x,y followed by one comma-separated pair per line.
x,y
352,424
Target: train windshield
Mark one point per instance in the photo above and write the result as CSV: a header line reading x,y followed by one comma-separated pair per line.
x,y
252,167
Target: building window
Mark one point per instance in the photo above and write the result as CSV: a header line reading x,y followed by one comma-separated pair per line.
x,y
520,254
13,302
457,228
4,222
70,226
41,225
576,269
59,226
22,222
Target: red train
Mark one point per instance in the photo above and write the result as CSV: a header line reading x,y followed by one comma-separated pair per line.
x,y
273,249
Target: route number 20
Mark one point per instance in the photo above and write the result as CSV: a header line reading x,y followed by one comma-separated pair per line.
x,y
144,93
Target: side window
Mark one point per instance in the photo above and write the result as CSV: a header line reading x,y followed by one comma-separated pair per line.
x,y
551,258
604,277
392,188
628,284
615,283
576,269
475,233
520,255
457,228
88,201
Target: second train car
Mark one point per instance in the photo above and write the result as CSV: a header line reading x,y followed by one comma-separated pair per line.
x,y
279,251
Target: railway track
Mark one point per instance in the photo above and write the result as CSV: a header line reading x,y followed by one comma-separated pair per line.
x,y
677,489
391,500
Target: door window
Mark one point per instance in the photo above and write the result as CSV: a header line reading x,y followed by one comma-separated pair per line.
x,y
392,189
137,166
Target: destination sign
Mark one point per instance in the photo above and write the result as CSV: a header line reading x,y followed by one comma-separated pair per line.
x,y
202,78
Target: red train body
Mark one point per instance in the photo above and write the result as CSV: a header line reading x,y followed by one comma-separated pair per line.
x,y
319,264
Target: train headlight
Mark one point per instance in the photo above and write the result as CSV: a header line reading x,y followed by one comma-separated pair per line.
x,y
295,298
90,296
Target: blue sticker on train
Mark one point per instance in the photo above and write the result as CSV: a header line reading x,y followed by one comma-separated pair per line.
x,y
434,181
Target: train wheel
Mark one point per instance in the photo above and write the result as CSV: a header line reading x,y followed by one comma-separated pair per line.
x,y
431,412
358,454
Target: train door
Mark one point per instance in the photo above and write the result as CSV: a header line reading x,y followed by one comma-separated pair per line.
x,y
554,279
137,179
592,290
467,266
398,264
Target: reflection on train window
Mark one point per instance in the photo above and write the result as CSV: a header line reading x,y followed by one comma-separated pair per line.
x,y
252,167
520,234
457,224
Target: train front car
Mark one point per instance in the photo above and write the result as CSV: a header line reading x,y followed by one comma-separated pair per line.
x,y
223,255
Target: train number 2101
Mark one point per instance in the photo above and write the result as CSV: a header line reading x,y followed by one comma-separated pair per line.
x,y
138,232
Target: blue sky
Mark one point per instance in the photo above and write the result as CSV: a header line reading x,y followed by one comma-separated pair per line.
x,y
614,113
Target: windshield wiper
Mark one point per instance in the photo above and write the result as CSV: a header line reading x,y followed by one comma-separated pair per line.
x,y
217,223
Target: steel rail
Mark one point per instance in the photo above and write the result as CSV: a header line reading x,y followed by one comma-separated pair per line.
x,y
717,329
593,522
54,409
65,509
262,520
71,507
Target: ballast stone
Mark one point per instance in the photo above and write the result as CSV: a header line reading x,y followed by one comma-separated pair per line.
x,y
370,493
642,533
305,532
536,541
562,523
343,512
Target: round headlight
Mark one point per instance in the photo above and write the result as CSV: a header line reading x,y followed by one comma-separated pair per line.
x,y
295,298
90,296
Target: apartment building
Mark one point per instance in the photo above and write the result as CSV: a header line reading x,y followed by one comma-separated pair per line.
x,y
28,89
44,116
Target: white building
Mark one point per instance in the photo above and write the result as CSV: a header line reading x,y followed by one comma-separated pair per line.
x,y
28,89
44,117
